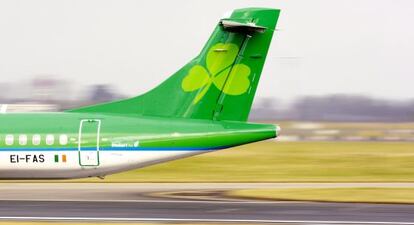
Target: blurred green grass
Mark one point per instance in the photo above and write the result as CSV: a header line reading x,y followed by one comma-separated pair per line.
x,y
272,161
366,195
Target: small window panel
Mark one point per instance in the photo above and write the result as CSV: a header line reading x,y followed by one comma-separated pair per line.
x,y
50,139
22,139
9,139
36,139
63,139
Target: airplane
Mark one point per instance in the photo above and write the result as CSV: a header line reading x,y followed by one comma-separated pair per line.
x,y
201,108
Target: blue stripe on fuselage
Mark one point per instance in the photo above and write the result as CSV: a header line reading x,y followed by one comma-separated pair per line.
x,y
112,149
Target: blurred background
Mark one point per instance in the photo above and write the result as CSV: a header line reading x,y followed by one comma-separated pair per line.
x,y
330,61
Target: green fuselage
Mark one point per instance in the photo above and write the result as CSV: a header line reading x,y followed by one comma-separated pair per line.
x,y
151,132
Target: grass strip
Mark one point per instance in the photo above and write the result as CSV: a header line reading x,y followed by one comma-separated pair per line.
x,y
365,195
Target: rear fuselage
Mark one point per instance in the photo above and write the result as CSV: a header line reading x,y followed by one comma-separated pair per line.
x,y
75,145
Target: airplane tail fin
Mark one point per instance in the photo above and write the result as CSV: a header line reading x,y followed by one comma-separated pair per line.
x,y
218,84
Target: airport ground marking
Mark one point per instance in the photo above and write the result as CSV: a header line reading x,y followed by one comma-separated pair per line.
x,y
151,201
131,219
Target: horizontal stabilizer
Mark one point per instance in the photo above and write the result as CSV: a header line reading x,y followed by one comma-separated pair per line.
x,y
234,26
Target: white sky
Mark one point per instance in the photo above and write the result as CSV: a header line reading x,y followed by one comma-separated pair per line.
x,y
323,46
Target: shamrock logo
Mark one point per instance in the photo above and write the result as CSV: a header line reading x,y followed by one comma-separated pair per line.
x,y
220,71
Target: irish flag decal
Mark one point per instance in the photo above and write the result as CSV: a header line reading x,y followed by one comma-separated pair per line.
x,y
60,158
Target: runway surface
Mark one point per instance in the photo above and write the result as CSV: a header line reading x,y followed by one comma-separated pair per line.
x,y
185,202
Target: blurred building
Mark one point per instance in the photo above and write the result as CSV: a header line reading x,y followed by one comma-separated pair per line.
x,y
27,107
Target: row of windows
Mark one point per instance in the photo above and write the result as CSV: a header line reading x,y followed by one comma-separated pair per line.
x,y
36,139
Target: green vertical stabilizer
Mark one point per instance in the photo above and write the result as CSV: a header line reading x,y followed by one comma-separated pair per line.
x,y
218,84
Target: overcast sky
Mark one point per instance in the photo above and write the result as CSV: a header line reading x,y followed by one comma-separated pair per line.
x,y
323,46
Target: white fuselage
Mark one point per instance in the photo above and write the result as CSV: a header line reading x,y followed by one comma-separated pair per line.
x,y
42,164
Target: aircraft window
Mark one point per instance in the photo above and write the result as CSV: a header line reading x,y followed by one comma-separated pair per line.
x,y
63,139
36,139
50,139
9,139
22,139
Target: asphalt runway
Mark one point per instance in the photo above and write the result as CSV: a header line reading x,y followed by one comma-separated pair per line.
x,y
184,203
